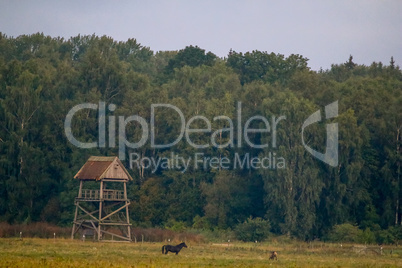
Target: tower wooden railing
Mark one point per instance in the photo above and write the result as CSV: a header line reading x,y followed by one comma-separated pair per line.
x,y
88,194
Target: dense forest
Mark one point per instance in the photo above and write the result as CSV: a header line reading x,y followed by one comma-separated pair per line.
x,y
42,78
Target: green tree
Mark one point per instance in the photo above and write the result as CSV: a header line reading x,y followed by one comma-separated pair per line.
x,y
226,200
293,190
270,68
192,56
252,230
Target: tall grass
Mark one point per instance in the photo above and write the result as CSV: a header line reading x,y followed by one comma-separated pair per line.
x,y
36,229
46,230
164,235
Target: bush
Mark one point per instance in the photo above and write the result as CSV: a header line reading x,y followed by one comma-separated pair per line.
x,y
367,236
385,237
253,230
176,226
345,233
201,223
396,232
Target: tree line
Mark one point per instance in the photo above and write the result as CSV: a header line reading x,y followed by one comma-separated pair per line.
x,y
42,78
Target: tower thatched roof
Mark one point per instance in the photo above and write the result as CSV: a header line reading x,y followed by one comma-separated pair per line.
x,y
103,167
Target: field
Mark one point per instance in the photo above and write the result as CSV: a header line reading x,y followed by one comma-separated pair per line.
x,y
35,252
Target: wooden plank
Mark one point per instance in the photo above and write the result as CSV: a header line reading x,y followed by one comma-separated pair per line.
x,y
127,214
119,236
116,223
114,212
87,213
100,210
80,190
75,218
115,171
94,195
76,230
96,211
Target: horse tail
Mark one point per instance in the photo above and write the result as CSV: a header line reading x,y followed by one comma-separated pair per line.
x,y
163,247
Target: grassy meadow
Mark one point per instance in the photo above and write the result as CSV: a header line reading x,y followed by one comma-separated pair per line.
x,y
35,252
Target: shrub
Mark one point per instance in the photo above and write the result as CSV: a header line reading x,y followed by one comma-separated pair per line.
x,y
367,236
201,223
385,237
345,233
396,232
176,226
253,230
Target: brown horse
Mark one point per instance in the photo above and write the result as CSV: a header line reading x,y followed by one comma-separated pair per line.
x,y
273,256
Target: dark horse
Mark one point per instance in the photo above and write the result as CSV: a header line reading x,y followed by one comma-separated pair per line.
x,y
173,249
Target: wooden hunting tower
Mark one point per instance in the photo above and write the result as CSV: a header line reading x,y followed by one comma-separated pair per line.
x,y
99,208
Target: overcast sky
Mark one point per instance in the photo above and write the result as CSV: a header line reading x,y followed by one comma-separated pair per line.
x,y
325,32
